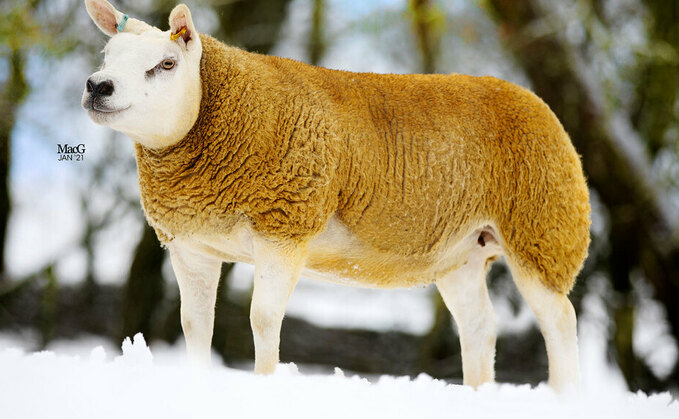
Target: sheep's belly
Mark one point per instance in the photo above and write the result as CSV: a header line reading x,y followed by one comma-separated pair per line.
x,y
337,256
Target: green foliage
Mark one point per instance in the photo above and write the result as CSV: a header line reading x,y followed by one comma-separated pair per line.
x,y
22,29
423,12
19,29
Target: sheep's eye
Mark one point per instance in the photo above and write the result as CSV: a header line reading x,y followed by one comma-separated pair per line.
x,y
168,64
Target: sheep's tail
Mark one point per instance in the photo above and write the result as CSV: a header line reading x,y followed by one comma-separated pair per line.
x,y
545,217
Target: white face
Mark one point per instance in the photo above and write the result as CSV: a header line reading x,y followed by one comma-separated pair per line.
x,y
148,86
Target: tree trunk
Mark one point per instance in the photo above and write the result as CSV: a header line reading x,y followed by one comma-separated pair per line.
x,y
659,78
425,18
253,24
13,93
316,46
145,287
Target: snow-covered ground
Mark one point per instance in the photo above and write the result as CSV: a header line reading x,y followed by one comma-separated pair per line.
x,y
139,385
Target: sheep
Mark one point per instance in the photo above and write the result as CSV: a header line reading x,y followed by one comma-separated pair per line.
x,y
372,180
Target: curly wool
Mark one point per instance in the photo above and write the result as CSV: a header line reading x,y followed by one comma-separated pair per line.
x,y
410,164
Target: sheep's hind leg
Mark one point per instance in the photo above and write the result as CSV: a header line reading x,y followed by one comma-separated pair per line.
x,y
558,324
465,293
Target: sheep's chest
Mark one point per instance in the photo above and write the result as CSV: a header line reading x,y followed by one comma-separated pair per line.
x,y
182,203
234,245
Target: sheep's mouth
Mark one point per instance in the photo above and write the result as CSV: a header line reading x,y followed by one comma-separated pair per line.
x,y
105,110
104,115
97,105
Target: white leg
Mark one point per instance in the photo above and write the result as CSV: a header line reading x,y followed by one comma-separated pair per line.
x,y
276,273
465,293
198,277
556,317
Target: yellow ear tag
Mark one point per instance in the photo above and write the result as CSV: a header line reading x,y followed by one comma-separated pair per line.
x,y
178,34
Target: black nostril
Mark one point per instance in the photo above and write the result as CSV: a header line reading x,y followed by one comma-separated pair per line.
x,y
105,88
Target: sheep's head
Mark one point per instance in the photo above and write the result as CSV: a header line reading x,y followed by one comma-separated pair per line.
x,y
149,84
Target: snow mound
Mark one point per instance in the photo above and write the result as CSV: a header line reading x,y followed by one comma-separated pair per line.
x,y
134,385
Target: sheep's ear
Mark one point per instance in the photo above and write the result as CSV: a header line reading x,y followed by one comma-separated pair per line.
x,y
104,15
181,27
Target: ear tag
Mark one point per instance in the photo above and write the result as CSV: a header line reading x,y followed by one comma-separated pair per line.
x,y
122,23
174,37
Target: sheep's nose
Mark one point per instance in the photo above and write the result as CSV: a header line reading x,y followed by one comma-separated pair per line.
x,y
104,88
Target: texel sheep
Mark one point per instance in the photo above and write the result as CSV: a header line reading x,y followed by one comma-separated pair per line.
x,y
370,180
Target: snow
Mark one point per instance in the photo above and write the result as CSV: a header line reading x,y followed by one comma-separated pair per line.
x,y
136,384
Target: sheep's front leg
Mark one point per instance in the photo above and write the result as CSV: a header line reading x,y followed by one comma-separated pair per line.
x,y
277,269
198,277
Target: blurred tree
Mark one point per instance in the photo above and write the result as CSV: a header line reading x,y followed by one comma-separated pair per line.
x,y
18,31
21,31
659,77
253,24
144,290
316,45
12,93
641,235
49,306
428,23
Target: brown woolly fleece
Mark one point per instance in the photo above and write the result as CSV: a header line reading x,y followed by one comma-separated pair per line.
x,y
408,163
